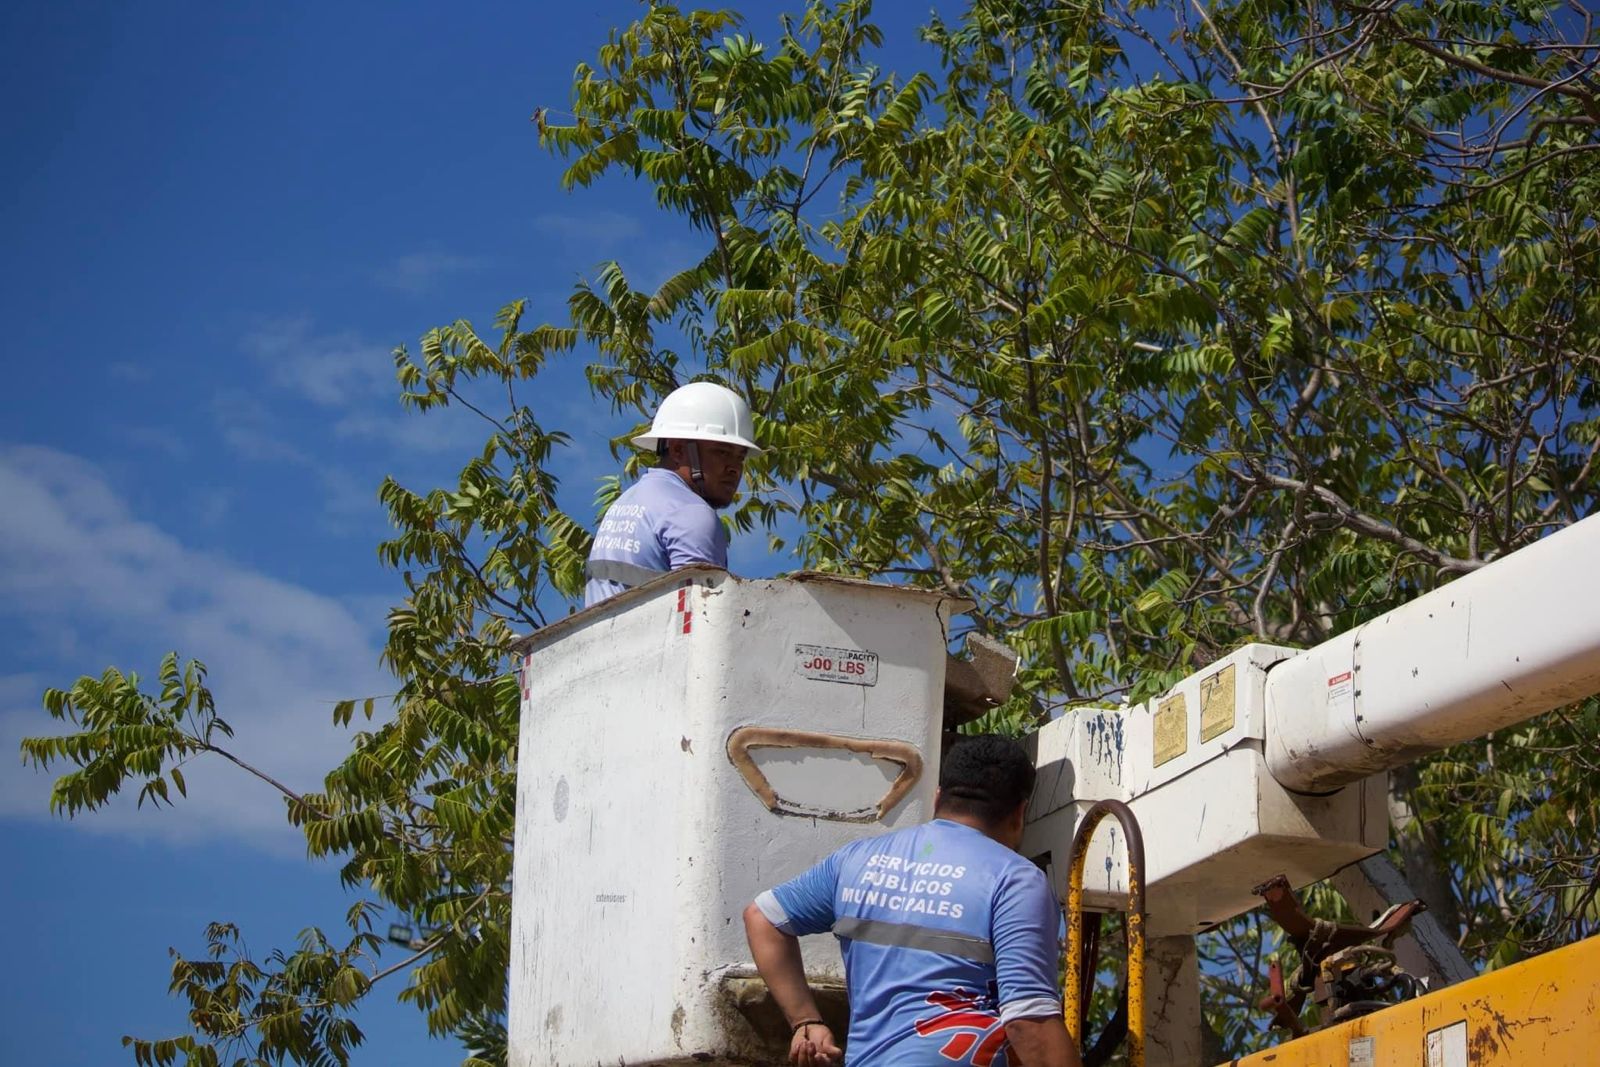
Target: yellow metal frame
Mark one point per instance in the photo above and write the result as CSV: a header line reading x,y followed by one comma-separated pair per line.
x,y
1072,995
1543,1012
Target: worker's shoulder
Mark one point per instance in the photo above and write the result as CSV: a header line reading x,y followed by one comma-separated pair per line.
x,y
658,493
941,840
1003,863
866,850
669,490
1010,863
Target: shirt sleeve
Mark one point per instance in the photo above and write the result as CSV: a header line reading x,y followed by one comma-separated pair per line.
x,y
694,535
1026,937
804,905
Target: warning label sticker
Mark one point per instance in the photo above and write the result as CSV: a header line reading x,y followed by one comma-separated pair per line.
x,y
852,666
1342,694
1216,703
1171,727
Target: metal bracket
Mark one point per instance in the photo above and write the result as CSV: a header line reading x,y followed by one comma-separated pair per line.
x,y
1342,972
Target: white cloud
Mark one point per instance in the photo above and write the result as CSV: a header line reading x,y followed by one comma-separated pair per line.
x,y
412,431
330,370
593,230
352,378
129,371
249,427
417,272
328,406
160,439
349,501
209,505
89,584
648,255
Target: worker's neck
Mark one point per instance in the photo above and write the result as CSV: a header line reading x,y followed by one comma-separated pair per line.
x,y
998,832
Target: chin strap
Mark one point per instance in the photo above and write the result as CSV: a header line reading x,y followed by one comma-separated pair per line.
x,y
696,475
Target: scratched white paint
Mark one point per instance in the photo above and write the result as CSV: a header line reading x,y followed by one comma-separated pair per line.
x,y
1215,822
638,844
825,779
1487,651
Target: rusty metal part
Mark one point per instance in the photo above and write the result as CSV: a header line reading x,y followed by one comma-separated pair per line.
x,y
1073,998
1115,1030
1339,969
1426,950
1285,1012
1319,937
1090,933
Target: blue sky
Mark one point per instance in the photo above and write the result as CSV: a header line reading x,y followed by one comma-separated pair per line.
x,y
217,221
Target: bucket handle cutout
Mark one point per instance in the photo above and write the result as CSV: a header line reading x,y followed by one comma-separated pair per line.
x,y
900,753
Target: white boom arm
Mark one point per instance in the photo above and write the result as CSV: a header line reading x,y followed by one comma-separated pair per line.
x,y
1489,650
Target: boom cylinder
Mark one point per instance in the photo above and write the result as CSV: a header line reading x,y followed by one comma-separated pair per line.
x,y
1489,650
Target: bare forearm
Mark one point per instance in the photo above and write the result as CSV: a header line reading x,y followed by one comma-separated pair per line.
x,y
1042,1042
777,957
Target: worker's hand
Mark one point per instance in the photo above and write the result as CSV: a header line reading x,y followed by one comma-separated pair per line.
x,y
813,1046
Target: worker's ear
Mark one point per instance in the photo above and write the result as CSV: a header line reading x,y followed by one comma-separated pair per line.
x,y
1015,822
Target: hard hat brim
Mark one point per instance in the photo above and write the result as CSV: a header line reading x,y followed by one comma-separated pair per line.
x,y
650,442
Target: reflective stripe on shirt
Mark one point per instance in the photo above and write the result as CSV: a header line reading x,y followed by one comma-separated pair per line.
x,y
615,570
905,935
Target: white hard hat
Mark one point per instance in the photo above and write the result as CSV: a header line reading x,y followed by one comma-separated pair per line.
x,y
701,411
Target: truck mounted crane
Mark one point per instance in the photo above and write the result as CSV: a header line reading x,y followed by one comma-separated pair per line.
x,y
702,737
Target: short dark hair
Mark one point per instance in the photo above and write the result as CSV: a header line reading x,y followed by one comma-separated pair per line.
x,y
985,776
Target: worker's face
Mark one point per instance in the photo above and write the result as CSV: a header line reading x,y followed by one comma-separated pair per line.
x,y
722,465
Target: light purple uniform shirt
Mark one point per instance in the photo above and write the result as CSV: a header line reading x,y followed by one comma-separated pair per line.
x,y
658,524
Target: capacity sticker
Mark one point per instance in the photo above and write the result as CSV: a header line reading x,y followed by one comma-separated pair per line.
x,y
849,665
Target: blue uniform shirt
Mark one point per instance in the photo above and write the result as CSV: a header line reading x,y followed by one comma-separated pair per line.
x,y
658,524
946,934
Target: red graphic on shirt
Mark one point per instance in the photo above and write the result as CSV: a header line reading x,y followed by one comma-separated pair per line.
x,y
980,1036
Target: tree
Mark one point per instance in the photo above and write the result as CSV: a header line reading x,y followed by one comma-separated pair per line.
x,y
1150,327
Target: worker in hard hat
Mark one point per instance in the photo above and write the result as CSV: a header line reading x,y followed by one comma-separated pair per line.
x,y
702,434
949,936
